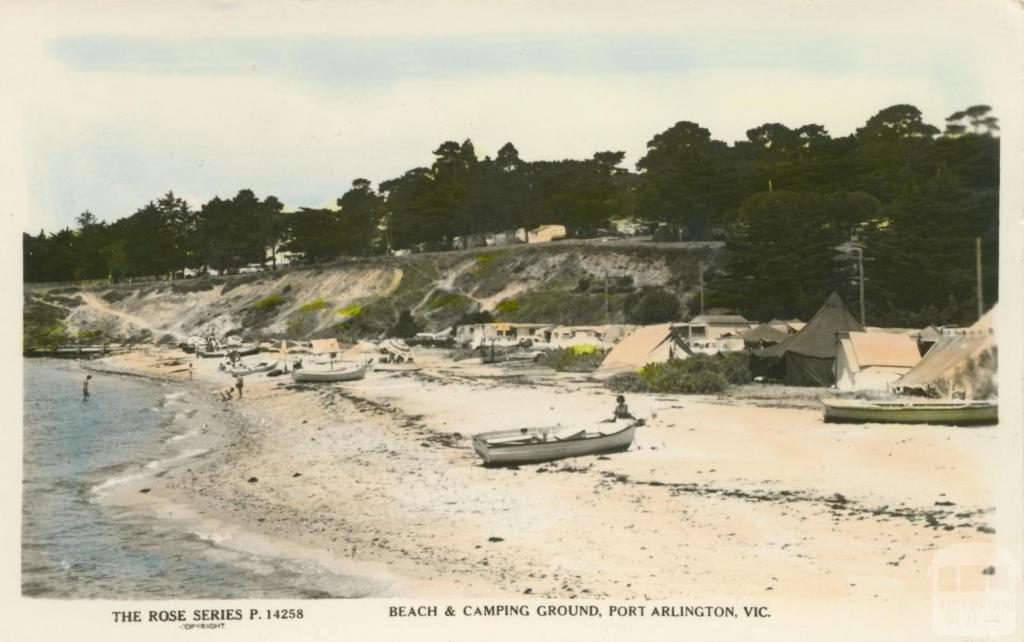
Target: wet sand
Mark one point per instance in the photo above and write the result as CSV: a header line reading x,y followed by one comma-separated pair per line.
x,y
716,501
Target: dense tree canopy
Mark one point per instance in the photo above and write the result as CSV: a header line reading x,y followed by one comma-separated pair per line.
x,y
914,199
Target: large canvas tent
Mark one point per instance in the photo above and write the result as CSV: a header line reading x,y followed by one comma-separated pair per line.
x,y
808,357
646,344
763,335
957,365
874,360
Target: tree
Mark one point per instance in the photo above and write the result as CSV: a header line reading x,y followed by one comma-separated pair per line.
x,y
896,122
361,213
678,172
652,306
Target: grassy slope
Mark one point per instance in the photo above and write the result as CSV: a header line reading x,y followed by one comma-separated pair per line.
x,y
362,298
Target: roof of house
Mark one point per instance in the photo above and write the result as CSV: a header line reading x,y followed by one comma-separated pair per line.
x,y
709,319
765,333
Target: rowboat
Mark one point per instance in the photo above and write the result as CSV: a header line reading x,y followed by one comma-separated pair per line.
x,y
242,351
534,445
347,372
918,411
253,369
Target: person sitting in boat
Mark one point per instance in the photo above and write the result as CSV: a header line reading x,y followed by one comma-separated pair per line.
x,y
621,410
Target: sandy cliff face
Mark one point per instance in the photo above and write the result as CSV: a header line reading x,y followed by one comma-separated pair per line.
x,y
561,283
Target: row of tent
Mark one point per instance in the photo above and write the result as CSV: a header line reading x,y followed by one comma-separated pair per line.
x,y
833,349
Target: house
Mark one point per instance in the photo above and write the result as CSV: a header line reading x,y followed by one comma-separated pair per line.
x,y
602,336
710,327
543,234
477,334
874,360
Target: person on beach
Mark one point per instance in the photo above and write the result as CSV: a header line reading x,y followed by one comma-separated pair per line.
x,y
190,372
85,387
622,410
238,384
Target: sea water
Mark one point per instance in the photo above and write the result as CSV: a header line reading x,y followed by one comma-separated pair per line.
x,y
75,546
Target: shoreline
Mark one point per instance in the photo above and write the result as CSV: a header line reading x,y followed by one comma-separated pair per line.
x,y
379,475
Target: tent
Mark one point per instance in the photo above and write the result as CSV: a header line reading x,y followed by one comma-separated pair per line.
x,y
874,360
646,344
808,357
322,346
957,365
763,335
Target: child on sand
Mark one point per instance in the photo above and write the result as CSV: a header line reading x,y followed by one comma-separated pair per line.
x,y
622,410
85,387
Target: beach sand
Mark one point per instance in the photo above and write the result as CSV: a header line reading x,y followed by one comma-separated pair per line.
x,y
715,502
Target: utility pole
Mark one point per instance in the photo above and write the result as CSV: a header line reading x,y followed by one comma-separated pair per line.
x,y
606,297
860,270
700,266
977,263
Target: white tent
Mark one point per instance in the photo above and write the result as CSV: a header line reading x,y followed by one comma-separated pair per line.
x,y
646,344
874,360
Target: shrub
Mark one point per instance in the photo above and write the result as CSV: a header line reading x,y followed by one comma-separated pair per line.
x,y
735,366
405,327
675,376
652,306
113,296
571,360
446,299
627,382
484,259
470,318
507,306
269,302
700,374
312,306
350,310
201,284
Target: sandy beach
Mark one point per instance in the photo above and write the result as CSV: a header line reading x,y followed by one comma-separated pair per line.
x,y
715,501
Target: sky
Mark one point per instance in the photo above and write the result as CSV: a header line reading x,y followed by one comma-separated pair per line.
x,y
116,105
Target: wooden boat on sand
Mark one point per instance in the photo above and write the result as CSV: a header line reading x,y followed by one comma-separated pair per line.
x,y
917,411
343,371
245,370
534,445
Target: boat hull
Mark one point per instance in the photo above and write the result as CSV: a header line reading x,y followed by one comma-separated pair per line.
x,y
397,367
495,453
967,414
328,376
242,372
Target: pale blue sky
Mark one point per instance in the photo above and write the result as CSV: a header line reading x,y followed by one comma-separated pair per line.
x,y
114,119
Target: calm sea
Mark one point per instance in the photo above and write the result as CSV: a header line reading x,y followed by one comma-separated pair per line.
x,y
76,547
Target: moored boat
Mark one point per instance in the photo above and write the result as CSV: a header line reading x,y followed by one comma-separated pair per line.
x,y
241,350
917,411
346,372
535,445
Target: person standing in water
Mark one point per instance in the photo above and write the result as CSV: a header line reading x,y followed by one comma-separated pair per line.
x,y
85,387
238,384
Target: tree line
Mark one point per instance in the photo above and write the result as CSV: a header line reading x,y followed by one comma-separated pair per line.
x,y
912,197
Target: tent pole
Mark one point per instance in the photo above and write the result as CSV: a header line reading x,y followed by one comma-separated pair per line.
x,y
860,270
701,266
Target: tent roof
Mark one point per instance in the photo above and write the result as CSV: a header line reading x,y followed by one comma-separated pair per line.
x,y
883,349
636,348
705,319
763,332
818,338
951,353
320,346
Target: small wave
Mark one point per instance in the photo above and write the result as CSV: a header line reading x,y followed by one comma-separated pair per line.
x,y
184,435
